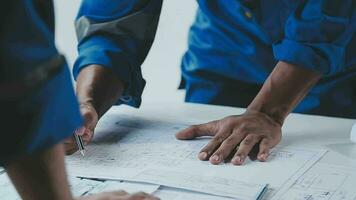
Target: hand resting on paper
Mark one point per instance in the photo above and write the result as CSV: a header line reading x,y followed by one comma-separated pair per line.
x,y
236,136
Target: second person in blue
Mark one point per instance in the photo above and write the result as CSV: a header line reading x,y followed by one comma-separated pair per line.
x,y
271,57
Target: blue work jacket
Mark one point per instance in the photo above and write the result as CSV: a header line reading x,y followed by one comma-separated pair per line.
x,y
233,47
37,101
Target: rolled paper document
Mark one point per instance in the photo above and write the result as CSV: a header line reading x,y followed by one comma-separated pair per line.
x,y
353,133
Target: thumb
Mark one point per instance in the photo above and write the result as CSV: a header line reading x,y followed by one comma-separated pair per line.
x,y
89,115
194,131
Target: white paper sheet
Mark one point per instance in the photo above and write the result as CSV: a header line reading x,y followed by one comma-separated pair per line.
x,y
165,193
322,182
80,187
344,149
140,149
7,190
130,187
205,184
353,133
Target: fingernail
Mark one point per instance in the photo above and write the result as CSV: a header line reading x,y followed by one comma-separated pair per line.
x,y
215,158
263,156
202,155
236,160
80,131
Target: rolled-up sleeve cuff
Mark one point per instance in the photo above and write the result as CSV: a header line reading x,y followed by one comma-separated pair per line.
x,y
301,55
102,51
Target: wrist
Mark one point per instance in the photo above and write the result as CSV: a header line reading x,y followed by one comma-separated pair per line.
x,y
277,114
98,87
285,87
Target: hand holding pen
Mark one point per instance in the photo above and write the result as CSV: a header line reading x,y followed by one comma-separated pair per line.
x,y
86,131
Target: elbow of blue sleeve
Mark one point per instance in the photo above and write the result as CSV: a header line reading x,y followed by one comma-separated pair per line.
x,y
100,50
327,59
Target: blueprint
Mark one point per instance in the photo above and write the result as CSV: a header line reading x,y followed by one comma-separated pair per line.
x,y
137,149
322,182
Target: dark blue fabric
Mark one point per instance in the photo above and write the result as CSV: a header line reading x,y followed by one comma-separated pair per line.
x,y
50,114
234,46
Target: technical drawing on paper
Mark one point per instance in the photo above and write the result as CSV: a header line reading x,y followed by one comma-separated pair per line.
x,y
323,182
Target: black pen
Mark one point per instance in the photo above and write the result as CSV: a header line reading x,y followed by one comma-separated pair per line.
x,y
80,144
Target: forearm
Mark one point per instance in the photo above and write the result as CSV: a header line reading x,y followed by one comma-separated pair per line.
x,y
41,176
286,86
106,37
99,87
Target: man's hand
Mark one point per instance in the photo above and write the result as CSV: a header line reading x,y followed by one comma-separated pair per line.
x,y
90,118
119,195
236,136
98,88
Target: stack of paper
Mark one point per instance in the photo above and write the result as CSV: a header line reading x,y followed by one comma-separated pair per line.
x,y
144,150
80,187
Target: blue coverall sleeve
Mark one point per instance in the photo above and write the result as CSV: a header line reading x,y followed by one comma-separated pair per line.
x,y
316,35
117,34
37,103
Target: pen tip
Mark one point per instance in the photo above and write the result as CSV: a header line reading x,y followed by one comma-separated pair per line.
x,y
82,152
